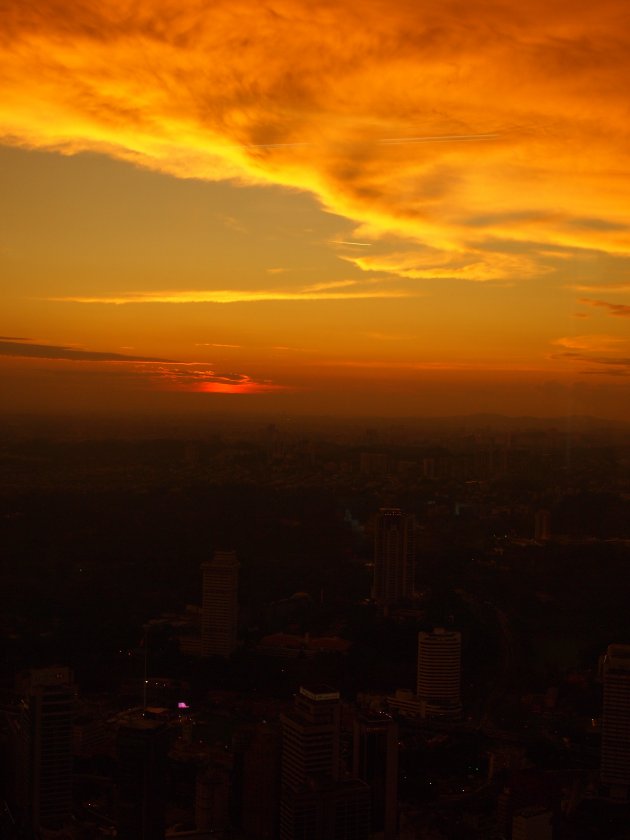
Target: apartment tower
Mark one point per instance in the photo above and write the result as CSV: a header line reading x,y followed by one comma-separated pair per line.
x,y
141,748
439,673
394,557
219,610
532,824
43,741
616,721
375,761
314,803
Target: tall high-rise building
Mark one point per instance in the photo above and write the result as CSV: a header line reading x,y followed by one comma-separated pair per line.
x,y
141,746
532,824
310,736
261,792
542,525
314,803
394,557
43,745
219,610
439,673
375,761
616,721
345,806
212,798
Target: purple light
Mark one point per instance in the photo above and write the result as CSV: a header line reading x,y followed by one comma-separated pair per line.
x,y
182,705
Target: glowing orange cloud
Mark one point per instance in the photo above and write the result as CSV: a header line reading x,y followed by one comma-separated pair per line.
x,y
470,265
593,343
463,127
317,292
162,374
200,378
239,388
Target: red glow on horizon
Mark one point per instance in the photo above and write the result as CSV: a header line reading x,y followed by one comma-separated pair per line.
x,y
246,387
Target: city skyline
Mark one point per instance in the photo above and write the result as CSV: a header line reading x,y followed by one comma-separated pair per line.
x,y
358,209
306,680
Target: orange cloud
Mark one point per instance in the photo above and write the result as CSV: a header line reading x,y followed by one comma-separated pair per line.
x,y
602,287
589,342
479,267
161,374
621,310
245,387
603,365
212,344
315,292
194,377
424,123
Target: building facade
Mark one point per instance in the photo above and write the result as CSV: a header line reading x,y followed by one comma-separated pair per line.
x,y
141,750
615,771
532,824
219,610
43,743
314,803
439,673
375,762
394,557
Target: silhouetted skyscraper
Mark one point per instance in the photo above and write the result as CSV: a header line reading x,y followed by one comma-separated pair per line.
x,y
260,784
310,736
542,525
141,747
43,736
616,721
219,610
439,672
375,761
394,557
532,824
314,804
212,798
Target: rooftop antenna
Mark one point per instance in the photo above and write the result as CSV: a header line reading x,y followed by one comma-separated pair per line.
x,y
146,670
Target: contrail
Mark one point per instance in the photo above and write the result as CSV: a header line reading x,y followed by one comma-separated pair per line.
x,y
389,141
343,242
439,138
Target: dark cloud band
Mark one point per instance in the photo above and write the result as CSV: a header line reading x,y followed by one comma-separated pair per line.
x,y
52,351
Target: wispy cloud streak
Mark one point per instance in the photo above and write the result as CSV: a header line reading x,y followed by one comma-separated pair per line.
x,y
619,310
225,296
161,374
24,349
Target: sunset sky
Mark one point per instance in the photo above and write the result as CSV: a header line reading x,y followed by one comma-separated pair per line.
x,y
352,207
